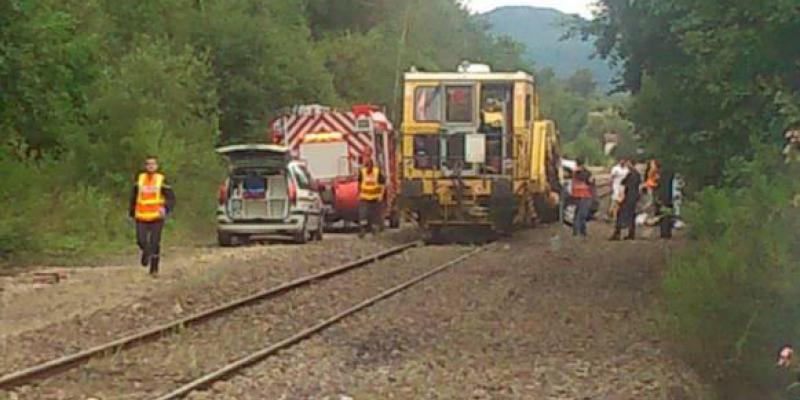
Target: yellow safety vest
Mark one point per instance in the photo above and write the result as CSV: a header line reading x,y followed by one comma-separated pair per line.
x,y
149,201
371,189
493,118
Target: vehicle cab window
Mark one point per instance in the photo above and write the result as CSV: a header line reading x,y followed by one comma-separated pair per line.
x,y
460,104
427,104
426,151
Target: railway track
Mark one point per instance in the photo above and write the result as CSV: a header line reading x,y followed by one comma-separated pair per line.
x,y
260,354
52,368
47,369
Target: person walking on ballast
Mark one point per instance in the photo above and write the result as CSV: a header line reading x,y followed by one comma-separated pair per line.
x,y
583,192
152,201
626,218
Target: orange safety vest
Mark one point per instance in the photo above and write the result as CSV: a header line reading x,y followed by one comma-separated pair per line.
x,y
652,180
581,189
653,176
371,189
149,201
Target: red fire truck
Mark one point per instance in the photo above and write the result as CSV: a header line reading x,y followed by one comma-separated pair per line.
x,y
331,143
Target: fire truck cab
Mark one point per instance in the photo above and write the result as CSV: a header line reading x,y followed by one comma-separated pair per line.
x,y
331,143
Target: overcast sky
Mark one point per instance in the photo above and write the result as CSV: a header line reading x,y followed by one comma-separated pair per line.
x,y
581,7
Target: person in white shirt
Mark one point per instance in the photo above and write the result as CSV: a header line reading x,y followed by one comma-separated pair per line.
x,y
618,172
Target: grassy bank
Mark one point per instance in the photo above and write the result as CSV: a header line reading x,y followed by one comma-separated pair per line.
x,y
733,296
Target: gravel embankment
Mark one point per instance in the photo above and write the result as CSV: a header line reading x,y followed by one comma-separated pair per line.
x,y
156,368
98,305
542,318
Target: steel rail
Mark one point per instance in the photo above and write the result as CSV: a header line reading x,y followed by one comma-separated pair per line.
x,y
67,362
229,369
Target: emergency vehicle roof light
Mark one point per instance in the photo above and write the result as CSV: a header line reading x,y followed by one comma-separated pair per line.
x,y
323,137
469,67
364,109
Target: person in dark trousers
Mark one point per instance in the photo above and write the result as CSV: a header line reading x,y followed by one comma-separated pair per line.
x,y
370,194
664,202
626,217
665,205
152,200
582,191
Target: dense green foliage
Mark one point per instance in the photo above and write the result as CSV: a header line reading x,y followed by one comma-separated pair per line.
x,y
710,77
715,86
584,116
87,89
732,296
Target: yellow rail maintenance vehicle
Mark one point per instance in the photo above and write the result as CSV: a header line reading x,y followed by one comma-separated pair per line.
x,y
475,152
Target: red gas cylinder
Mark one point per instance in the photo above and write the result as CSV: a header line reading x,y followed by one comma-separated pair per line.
x,y
346,198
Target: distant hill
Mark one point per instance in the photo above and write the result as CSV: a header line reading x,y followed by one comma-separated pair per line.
x,y
539,30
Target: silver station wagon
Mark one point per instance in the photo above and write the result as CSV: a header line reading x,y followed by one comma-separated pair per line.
x,y
267,193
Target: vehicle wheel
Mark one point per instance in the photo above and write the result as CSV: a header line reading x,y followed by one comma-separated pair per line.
x,y
394,219
302,236
242,239
547,213
320,229
433,235
224,239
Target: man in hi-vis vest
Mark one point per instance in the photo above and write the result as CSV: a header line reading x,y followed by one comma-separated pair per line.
x,y
152,200
370,195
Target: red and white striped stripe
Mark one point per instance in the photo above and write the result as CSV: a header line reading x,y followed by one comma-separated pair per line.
x,y
298,125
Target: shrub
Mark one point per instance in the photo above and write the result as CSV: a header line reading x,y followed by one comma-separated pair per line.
x,y
732,296
587,148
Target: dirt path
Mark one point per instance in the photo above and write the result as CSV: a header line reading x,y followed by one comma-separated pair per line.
x,y
538,319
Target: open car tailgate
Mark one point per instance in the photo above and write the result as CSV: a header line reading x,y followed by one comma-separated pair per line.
x,y
256,157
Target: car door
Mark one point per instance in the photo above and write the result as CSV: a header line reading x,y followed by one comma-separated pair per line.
x,y
315,198
307,198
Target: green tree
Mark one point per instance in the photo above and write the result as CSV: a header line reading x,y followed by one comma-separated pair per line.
x,y
582,82
587,148
709,78
89,88
46,64
714,87
263,59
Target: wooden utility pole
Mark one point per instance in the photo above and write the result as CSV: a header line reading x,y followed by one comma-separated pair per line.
x,y
400,50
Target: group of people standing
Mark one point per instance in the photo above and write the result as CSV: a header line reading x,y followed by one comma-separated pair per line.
x,y
628,189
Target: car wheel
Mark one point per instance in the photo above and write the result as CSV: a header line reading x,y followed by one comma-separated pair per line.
x,y
302,236
433,235
224,239
394,219
242,239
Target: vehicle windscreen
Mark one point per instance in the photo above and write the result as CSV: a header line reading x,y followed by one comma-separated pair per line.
x,y
325,160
